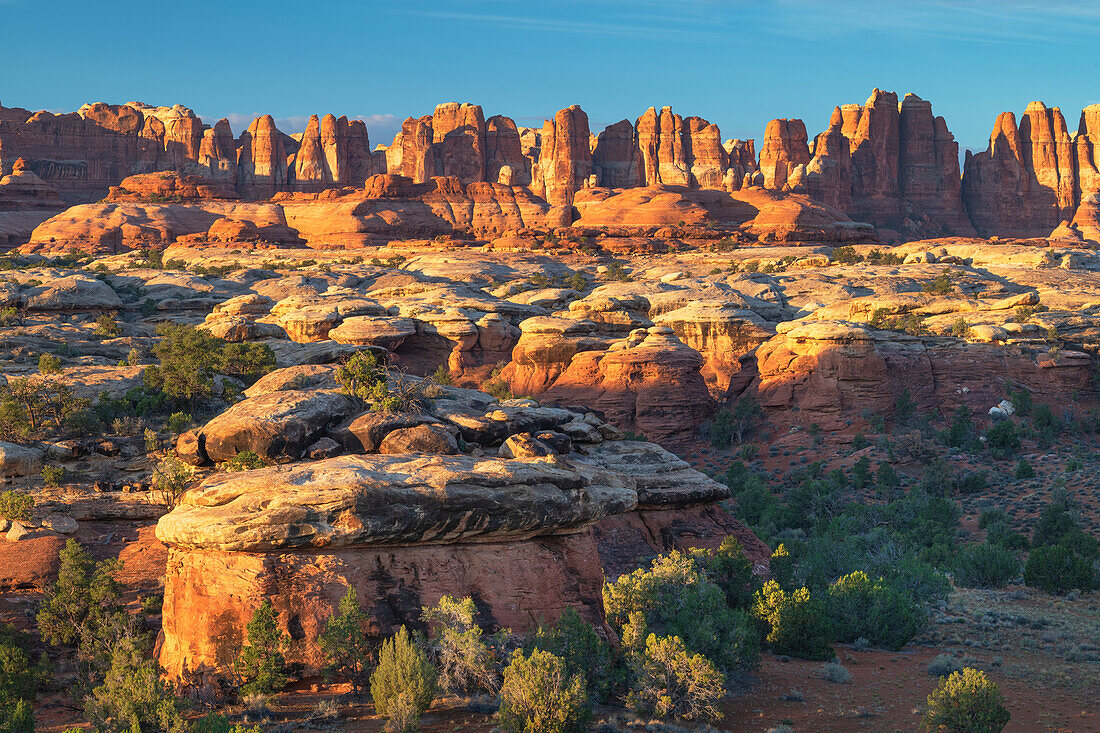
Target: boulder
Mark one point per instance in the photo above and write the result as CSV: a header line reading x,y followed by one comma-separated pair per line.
x,y
19,460
275,424
418,439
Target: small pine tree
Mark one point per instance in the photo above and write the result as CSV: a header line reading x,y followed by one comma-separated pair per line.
x,y
260,663
132,696
404,683
344,642
577,645
84,594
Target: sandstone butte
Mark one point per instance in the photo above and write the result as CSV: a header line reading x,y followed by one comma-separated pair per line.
x,y
887,162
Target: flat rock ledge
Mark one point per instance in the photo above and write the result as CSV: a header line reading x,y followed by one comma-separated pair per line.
x,y
377,500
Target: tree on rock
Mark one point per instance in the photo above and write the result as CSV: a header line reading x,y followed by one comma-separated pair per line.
x,y
344,642
261,661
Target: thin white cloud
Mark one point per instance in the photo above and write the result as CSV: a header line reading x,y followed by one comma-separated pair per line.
x,y
1010,22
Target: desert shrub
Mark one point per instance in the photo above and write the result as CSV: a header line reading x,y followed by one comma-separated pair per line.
x,y
836,672
344,643
495,384
971,483
671,682
797,623
247,361
944,665
1021,400
363,376
180,422
1064,555
245,460
188,358
52,475
886,478
260,662
49,364
729,425
966,702
1057,518
83,596
1024,470
960,327
133,697
16,505
106,326
1003,440
465,661
941,285
442,375
1060,568
985,566
873,610
171,477
403,684
19,680
215,723
538,695
846,255
580,649
861,473
961,432
152,440
676,598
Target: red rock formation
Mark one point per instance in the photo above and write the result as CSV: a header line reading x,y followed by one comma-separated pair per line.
x,y
334,148
173,135
1025,183
709,160
565,159
650,382
503,149
79,154
661,141
360,162
875,149
157,187
261,160
310,169
783,150
218,153
617,158
829,172
741,155
828,369
411,155
459,140
928,169
893,166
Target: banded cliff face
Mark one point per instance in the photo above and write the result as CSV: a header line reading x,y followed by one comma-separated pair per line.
x,y
891,163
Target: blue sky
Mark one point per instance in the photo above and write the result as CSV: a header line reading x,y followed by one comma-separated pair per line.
x,y
735,62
